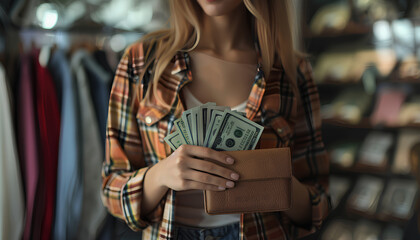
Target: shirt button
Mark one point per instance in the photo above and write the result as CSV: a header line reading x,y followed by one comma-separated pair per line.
x,y
148,120
279,130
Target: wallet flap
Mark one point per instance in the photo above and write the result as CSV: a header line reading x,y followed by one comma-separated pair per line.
x,y
261,163
264,184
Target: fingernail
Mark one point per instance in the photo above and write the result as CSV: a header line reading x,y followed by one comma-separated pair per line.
x,y
230,184
229,160
235,176
221,188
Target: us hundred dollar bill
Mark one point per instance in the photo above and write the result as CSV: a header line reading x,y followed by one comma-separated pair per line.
x,y
203,121
216,120
187,119
195,128
236,133
180,125
174,140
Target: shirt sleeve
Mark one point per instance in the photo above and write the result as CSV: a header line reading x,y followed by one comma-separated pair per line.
x,y
310,159
124,168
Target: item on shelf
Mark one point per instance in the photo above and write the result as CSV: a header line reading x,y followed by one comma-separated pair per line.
x,y
409,69
338,187
374,10
374,150
332,17
339,229
399,199
365,229
363,5
392,232
344,154
383,59
404,36
335,66
365,195
349,65
388,105
350,105
406,140
410,112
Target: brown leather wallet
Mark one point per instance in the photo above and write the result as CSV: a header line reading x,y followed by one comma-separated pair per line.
x,y
264,184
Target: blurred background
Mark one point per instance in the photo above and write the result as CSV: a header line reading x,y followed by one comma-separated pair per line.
x,y
57,61
365,56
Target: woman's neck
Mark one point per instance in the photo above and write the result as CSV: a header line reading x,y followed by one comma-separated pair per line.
x,y
222,34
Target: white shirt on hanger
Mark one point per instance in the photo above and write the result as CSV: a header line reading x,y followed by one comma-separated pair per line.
x,y
11,191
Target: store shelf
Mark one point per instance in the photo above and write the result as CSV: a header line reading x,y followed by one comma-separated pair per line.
x,y
366,124
328,83
332,83
377,217
374,171
352,29
393,78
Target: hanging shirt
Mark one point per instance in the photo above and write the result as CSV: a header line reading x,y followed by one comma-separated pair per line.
x,y
136,132
27,139
98,83
93,212
11,190
69,172
48,115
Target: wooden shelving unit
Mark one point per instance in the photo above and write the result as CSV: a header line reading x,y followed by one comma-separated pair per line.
x,y
337,130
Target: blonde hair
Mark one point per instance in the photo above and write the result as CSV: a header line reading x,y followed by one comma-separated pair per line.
x,y
275,30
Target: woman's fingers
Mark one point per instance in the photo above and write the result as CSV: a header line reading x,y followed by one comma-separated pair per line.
x,y
189,169
209,167
206,153
190,184
207,178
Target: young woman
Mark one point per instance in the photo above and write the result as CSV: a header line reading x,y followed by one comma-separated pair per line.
x,y
236,53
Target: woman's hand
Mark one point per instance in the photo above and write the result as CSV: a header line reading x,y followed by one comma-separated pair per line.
x,y
187,168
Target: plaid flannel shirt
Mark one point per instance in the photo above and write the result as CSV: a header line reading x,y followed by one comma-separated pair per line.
x,y
136,131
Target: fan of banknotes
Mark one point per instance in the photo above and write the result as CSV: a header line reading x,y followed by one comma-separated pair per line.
x,y
215,127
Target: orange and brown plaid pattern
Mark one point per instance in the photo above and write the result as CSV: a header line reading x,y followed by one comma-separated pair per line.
x,y
135,133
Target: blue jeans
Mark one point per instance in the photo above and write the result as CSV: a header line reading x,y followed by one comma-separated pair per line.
x,y
227,232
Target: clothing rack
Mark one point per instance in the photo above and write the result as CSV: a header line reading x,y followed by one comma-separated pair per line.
x,y
73,86
52,83
22,39
70,39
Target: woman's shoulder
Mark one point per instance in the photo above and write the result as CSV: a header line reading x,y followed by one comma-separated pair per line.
x,y
302,62
136,51
146,48
304,69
